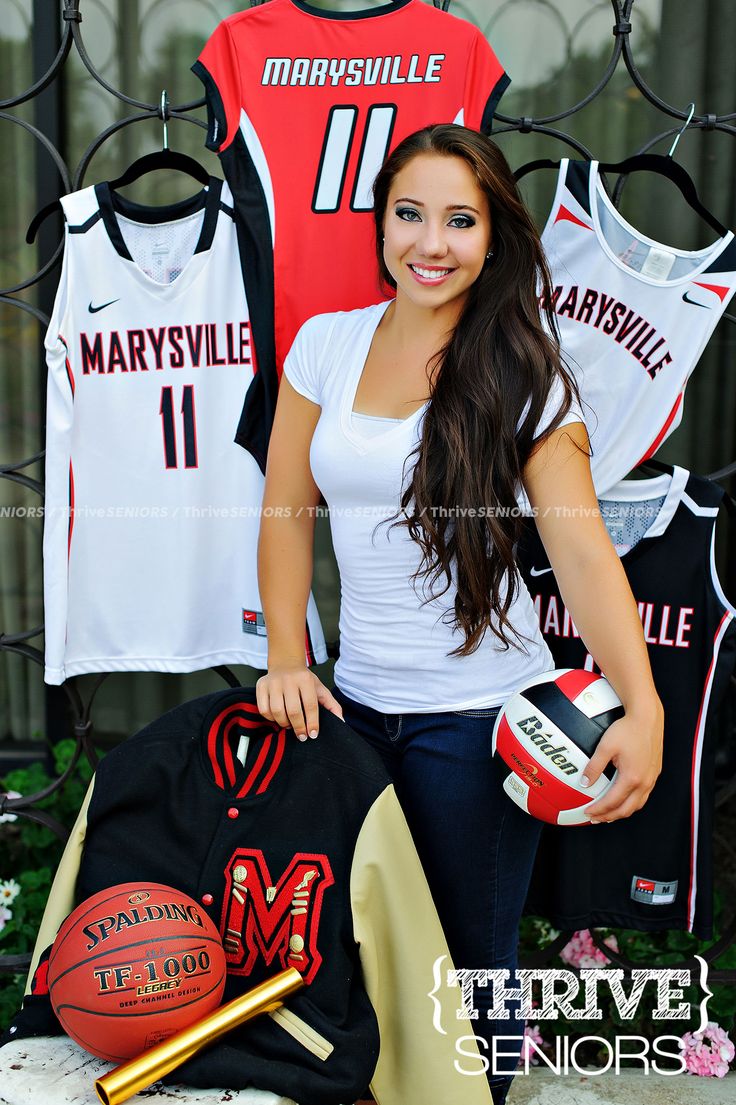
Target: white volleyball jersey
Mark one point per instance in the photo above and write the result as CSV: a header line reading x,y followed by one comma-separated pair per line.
x,y
634,317
152,510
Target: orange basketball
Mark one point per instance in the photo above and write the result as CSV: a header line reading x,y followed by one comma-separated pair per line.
x,y
131,966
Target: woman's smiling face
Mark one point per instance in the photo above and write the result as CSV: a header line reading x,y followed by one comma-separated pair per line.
x,y
437,230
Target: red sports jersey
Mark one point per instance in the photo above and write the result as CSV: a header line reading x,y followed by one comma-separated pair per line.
x,y
303,106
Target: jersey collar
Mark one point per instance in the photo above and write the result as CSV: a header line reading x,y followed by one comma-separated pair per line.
x,y
670,486
363,13
111,203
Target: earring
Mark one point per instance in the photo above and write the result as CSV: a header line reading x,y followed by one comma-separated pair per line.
x,y
489,255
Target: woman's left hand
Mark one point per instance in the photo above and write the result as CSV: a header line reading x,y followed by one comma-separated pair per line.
x,y
634,745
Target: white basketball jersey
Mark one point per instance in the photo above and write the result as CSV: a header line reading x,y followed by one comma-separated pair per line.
x,y
152,510
634,317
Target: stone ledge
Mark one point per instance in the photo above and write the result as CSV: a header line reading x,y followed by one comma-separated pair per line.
x,y
630,1087
53,1070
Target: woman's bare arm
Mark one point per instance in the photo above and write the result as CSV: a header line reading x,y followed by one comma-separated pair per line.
x,y
596,591
290,693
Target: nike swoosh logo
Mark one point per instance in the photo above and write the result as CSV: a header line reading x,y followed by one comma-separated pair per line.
x,y
94,310
539,571
694,301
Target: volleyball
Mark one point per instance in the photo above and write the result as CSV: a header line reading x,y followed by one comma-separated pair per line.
x,y
544,737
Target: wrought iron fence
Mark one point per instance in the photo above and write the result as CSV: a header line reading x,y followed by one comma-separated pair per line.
x,y
73,39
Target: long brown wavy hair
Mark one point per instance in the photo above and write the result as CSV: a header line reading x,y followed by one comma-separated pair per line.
x,y
490,383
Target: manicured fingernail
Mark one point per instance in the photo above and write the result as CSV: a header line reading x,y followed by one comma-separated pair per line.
x,y
301,736
594,821
313,734
584,781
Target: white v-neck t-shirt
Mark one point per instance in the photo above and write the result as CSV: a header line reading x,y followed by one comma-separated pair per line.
x,y
393,647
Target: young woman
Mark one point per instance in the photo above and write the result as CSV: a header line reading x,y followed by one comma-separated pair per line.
x,y
421,421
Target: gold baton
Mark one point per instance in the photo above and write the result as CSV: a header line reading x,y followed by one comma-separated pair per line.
x,y
136,1074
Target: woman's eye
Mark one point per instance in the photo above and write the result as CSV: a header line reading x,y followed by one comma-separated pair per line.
x,y
409,214
462,221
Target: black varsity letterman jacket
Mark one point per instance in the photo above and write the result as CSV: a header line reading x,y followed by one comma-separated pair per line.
x,y
175,805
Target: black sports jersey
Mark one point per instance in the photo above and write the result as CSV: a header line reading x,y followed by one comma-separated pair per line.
x,y
652,870
302,857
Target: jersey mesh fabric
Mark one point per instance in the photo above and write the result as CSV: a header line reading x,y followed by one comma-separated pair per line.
x,y
628,522
164,249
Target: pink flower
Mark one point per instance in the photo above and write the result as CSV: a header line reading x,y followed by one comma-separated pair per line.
x,y
528,1057
580,951
708,1053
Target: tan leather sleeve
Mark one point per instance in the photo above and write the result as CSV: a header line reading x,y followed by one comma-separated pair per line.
x,y
400,938
61,898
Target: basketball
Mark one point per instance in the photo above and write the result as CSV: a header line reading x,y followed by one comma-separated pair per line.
x,y
131,966
544,736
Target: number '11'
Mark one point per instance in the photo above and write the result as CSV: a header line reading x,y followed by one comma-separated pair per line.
x,y
169,427
336,148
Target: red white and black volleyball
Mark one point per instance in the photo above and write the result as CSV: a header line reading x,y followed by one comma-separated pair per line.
x,y
545,735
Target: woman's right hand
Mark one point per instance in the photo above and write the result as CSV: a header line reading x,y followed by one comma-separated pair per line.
x,y
291,696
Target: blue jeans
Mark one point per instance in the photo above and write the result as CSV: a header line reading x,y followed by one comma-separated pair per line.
x,y
476,846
